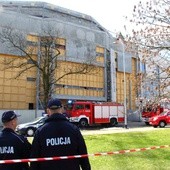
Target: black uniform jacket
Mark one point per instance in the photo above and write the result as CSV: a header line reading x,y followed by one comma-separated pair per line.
x,y
59,137
13,146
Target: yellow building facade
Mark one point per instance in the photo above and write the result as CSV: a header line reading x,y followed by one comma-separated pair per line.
x,y
16,93
19,91
131,89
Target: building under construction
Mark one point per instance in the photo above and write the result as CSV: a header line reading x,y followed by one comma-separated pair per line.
x,y
80,41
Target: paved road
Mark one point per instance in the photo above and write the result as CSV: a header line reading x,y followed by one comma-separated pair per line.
x,y
132,127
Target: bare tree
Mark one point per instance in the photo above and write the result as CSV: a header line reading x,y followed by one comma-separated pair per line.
x,y
152,39
43,53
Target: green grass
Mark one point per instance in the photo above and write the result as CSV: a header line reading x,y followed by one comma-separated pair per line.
x,y
158,159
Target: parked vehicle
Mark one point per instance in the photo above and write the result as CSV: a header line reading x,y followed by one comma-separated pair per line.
x,y
28,129
150,111
160,120
86,113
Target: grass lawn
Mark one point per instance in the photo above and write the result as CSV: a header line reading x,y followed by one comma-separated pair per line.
x,y
158,159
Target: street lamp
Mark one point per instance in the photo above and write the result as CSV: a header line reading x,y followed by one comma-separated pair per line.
x,y
38,81
124,82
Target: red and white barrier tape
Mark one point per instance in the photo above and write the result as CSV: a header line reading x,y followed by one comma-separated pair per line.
x,y
80,156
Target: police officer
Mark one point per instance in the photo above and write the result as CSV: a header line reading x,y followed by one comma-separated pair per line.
x,y
12,145
58,137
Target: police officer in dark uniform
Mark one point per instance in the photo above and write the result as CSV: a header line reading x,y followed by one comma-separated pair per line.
x,y
12,145
58,137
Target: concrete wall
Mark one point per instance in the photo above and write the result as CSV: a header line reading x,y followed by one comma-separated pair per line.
x,y
26,115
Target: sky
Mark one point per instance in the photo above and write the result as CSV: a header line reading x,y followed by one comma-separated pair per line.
x,y
108,13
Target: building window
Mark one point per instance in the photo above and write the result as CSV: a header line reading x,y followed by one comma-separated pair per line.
x,y
31,79
116,58
30,106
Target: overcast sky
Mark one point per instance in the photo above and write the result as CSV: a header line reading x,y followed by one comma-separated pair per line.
x,y
109,13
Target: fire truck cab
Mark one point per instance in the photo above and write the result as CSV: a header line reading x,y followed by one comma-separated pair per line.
x,y
86,113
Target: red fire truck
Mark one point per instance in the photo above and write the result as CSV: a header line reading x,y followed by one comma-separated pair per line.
x,y
150,111
86,113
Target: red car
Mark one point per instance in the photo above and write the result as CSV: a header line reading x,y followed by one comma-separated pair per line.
x,y
160,120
